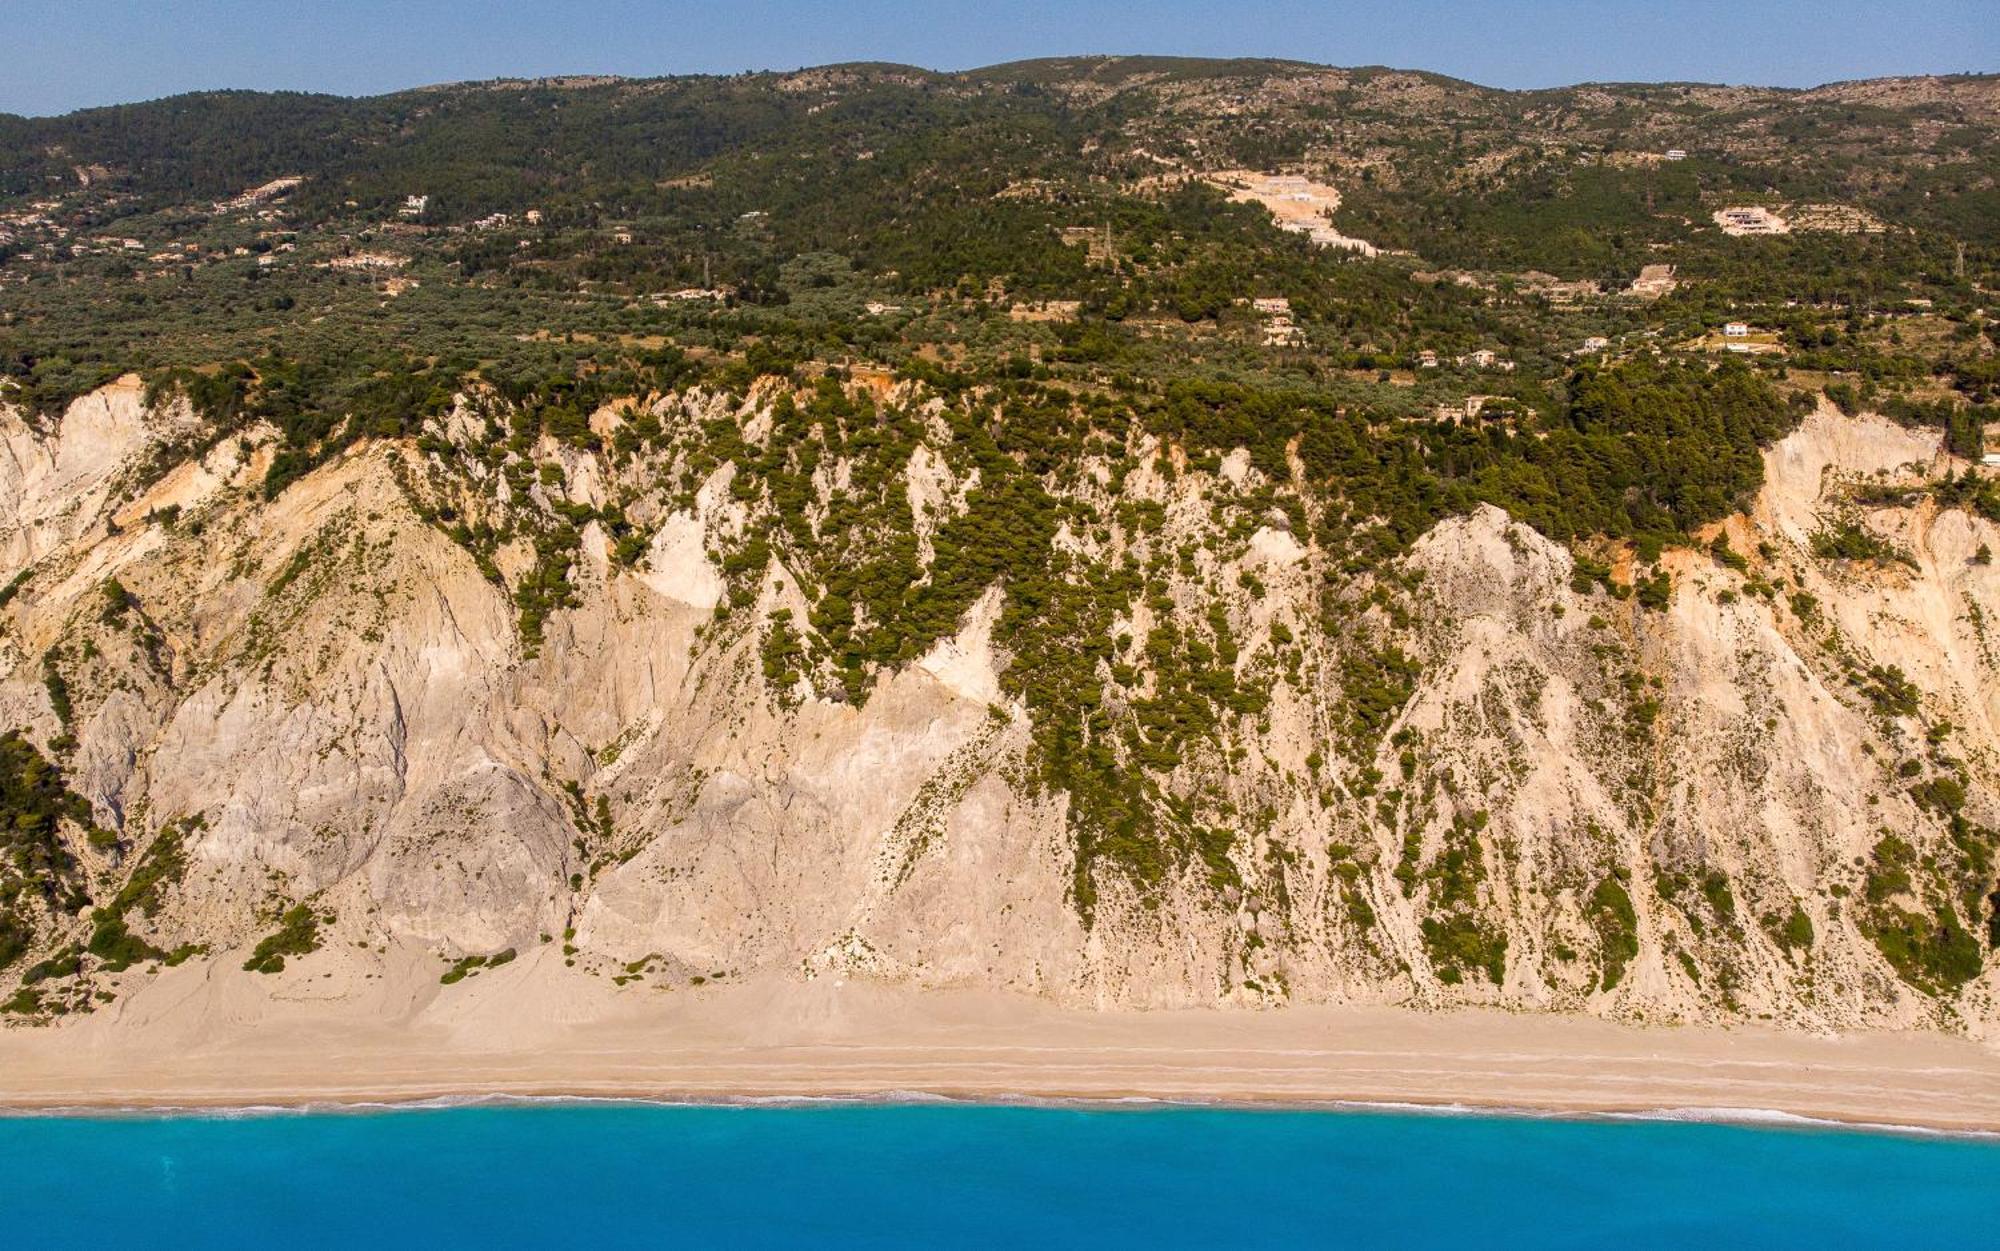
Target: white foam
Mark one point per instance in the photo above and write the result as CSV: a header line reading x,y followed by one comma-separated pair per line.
x,y
1752,1118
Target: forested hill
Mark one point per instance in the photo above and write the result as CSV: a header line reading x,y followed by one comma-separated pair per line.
x,y
1917,151
1381,242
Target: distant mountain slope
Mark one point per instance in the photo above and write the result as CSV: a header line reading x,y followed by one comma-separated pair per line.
x,y
505,146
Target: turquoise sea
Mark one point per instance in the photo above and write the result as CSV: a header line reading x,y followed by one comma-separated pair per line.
x,y
583,1175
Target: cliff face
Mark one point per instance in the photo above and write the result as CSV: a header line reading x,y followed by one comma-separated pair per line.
x,y
1500,777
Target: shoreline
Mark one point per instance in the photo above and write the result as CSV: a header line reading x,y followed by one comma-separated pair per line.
x,y
201,1040
1771,1119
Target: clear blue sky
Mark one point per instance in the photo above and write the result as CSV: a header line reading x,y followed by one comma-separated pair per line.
x,y
57,55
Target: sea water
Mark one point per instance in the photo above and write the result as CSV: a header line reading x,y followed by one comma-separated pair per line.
x,y
583,1175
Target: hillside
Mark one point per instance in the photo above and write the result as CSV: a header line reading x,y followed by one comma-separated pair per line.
x,y
1206,760
949,530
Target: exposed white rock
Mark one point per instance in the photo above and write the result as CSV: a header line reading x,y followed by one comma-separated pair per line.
x,y
343,696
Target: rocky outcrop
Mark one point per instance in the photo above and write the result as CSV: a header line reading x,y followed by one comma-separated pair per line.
x,y
1684,804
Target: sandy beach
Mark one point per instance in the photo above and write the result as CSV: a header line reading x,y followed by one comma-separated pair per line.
x,y
203,1037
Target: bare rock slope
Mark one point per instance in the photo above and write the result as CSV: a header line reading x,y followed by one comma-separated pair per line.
x,y
328,733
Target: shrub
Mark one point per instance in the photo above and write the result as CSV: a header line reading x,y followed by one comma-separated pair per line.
x,y
1797,932
1617,927
297,935
1847,539
118,947
1727,556
117,602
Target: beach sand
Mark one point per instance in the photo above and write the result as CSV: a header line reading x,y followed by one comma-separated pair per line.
x,y
212,1036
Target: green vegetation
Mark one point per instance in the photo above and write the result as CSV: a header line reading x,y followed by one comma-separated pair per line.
x,y
39,873
58,689
297,935
1721,899
162,866
1934,953
1795,934
1931,950
1845,538
1617,925
1457,939
466,966
856,249
117,946
117,602
782,653
1889,691
145,890
1703,895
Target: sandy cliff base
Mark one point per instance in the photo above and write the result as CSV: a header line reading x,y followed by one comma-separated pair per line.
x,y
206,1036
